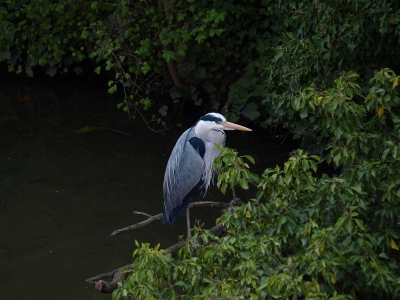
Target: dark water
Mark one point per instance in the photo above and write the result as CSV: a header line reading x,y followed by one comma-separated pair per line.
x,y
62,194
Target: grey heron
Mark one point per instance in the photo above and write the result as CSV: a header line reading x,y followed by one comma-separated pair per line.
x,y
190,167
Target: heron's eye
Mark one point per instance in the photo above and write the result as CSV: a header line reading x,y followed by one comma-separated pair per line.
x,y
216,122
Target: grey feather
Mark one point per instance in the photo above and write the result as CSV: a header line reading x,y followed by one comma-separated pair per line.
x,y
184,170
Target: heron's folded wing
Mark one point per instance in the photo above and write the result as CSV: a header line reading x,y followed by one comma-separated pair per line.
x,y
184,171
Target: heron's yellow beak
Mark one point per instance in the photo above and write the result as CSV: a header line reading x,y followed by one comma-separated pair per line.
x,y
233,126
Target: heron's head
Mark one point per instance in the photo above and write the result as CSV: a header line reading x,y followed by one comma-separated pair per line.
x,y
215,121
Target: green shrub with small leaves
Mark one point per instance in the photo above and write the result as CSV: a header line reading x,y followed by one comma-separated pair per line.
x,y
159,53
323,40
304,235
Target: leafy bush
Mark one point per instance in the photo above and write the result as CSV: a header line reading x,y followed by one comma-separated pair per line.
x,y
158,52
303,235
323,40
44,34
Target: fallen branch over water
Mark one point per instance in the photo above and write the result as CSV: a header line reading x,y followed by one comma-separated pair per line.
x,y
159,216
119,275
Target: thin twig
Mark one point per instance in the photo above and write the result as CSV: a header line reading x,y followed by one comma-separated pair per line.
x,y
138,225
142,213
114,130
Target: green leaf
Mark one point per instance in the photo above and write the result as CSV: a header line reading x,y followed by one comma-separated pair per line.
x,y
360,224
393,244
244,184
51,71
77,70
281,220
251,111
250,158
163,110
357,188
85,129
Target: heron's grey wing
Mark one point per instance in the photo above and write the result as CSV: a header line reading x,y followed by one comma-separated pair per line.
x,y
184,171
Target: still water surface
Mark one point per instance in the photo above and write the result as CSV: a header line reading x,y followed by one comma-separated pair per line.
x,y
62,194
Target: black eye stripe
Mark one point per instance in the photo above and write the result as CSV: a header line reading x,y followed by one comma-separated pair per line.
x,y
211,118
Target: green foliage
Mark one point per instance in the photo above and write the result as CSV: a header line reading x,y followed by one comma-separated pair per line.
x,y
306,235
233,170
151,278
323,40
44,34
211,50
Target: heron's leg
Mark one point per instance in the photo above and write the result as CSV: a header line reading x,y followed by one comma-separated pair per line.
x,y
189,234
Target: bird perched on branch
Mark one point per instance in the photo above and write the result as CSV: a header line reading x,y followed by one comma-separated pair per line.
x,y
190,167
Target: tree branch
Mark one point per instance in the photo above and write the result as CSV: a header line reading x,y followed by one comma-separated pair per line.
x,y
159,216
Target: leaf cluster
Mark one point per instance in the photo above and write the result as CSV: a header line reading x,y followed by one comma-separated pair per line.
x,y
323,40
233,170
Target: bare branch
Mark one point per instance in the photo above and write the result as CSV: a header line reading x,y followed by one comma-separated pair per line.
x,y
208,203
138,225
159,216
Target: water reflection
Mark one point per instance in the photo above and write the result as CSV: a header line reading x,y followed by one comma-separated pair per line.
x,y
62,194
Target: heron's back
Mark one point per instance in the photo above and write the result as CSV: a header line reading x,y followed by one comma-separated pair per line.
x,y
183,177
